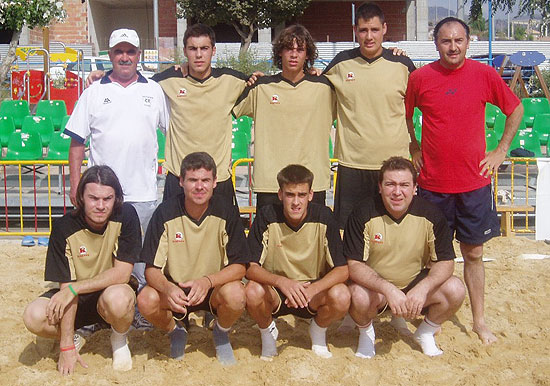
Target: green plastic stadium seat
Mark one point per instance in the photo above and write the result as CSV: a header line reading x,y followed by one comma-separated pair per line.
x,y
417,116
24,147
542,127
528,141
18,110
244,124
64,122
239,146
6,128
500,122
532,107
330,148
491,112
418,132
55,110
42,125
491,140
59,147
161,141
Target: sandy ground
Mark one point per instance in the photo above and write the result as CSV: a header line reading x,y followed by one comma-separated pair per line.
x,y
517,308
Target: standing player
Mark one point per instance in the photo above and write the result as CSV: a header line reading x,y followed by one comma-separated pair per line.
x,y
201,104
400,255
370,85
120,115
454,168
290,105
297,263
195,250
91,254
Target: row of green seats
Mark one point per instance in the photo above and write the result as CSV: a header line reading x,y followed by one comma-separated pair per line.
x,y
56,110
42,125
28,146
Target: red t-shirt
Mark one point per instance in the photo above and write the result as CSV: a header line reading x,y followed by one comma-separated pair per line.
x,y
453,121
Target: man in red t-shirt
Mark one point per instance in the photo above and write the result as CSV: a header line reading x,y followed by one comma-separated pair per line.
x,y
454,168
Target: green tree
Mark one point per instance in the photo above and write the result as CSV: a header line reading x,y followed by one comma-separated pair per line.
x,y
14,14
519,32
246,16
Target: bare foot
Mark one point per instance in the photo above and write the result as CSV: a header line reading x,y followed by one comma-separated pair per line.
x,y
484,334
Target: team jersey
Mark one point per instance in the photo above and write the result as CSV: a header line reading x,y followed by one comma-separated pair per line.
x,y
370,96
397,249
77,252
292,123
185,248
200,116
302,253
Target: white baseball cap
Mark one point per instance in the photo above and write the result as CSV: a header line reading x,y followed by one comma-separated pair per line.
x,y
124,35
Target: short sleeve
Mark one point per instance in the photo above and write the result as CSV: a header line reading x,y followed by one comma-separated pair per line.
x,y
501,95
334,240
410,97
257,242
154,240
354,237
245,103
236,247
57,262
129,241
78,126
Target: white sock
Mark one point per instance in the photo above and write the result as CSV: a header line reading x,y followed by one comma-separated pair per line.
x,y
400,325
424,335
365,347
347,324
318,337
122,358
269,341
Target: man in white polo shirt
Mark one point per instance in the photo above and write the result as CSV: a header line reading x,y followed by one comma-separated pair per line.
x,y
120,115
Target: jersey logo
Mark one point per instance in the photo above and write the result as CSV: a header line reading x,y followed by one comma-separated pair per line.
x,y
451,91
182,92
147,100
178,237
274,99
82,251
378,238
106,101
350,76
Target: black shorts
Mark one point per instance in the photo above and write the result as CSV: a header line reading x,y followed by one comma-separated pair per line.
x,y
263,199
283,309
471,215
352,186
223,189
204,306
86,312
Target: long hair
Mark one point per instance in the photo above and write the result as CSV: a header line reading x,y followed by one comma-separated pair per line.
x,y
102,175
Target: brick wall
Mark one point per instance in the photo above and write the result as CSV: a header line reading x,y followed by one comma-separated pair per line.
x,y
167,18
73,30
332,21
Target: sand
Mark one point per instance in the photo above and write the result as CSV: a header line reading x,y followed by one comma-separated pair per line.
x,y
517,309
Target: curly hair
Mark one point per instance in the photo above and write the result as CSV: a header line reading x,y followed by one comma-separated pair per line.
x,y
299,34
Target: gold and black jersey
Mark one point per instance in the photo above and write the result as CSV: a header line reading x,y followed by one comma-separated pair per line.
x,y
304,253
370,99
292,123
187,249
76,252
200,116
398,249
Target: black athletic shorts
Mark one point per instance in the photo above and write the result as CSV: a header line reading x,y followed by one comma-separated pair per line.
x,y
263,199
224,189
283,309
471,215
411,285
352,186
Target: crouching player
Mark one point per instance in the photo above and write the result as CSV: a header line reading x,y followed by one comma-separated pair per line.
x,y
400,255
297,266
195,250
91,254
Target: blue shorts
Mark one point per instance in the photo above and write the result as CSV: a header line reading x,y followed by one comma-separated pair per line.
x,y
472,216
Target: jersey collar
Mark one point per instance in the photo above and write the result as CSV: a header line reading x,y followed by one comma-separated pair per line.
x,y
106,79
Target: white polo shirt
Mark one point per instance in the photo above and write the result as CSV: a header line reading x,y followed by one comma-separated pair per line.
x,y
121,123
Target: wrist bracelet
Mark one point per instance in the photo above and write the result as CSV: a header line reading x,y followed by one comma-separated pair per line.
x,y
72,290
211,285
68,348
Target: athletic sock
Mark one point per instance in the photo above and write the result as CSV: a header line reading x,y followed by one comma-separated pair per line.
x,y
318,337
122,358
178,340
224,351
424,335
400,325
365,347
269,341
347,324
